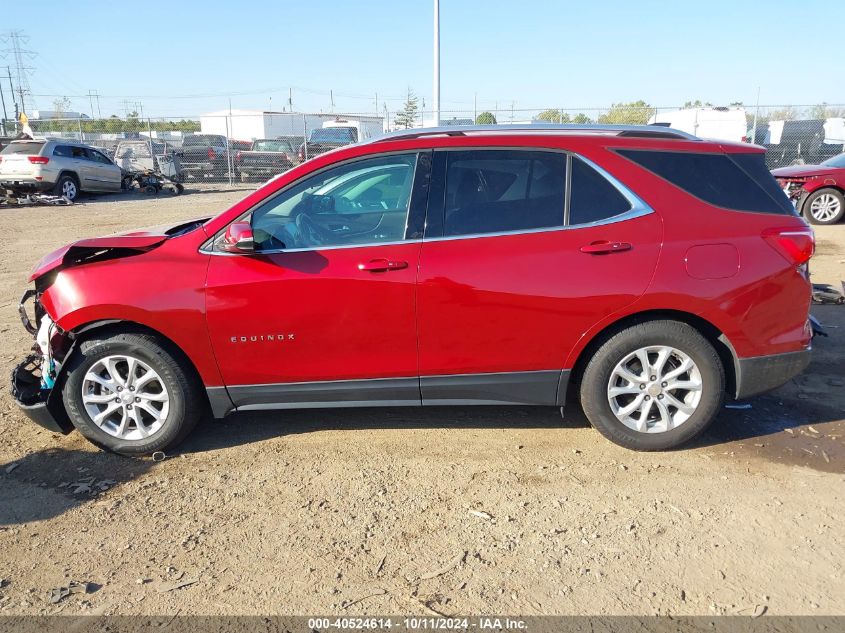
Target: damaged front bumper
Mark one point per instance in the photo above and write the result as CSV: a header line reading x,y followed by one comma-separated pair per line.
x,y
34,378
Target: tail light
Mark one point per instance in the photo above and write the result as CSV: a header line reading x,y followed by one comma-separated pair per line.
x,y
211,154
38,160
797,245
238,157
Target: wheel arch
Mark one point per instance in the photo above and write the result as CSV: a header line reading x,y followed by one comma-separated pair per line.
x,y
827,183
109,327
725,350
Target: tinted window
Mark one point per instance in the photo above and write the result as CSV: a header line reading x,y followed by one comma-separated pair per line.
x,y
23,148
501,190
271,146
334,135
363,202
204,139
731,181
593,197
63,150
98,157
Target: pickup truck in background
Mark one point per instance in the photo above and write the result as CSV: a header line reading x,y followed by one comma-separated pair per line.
x,y
266,158
338,133
206,155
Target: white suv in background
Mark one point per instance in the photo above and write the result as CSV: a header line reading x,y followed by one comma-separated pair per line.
x,y
63,167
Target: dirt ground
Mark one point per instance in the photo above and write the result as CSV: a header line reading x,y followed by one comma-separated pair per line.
x,y
401,511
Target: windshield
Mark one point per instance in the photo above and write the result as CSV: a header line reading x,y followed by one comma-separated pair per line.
x,y
836,161
270,146
203,139
333,135
23,148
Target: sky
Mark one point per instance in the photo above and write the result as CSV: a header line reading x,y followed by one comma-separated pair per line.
x,y
182,58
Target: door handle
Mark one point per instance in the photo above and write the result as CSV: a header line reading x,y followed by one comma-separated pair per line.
x,y
381,265
604,247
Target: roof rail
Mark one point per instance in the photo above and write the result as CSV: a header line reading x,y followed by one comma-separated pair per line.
x,y
638,131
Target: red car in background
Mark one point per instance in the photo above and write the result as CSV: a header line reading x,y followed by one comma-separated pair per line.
x,y
818,191
641,271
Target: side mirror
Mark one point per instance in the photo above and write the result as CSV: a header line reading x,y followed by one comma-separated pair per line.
x,y
238,238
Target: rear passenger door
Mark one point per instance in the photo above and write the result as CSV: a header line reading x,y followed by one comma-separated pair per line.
x,y
84,167
524,251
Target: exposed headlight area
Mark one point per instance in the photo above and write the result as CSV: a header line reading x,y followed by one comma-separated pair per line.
x,y
792,187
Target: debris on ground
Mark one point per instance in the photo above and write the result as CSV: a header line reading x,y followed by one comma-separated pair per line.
x,y
171,586
372,594
60,593
481,514
457,560
11,467
825,293
738,405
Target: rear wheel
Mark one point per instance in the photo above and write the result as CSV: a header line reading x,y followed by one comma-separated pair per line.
x,y
653,386
824,206
130,394
68,187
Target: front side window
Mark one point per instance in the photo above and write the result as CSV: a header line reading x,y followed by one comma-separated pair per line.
x,y
494,191
361,202
98,157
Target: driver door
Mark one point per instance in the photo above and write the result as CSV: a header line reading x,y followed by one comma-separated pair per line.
x,y
323,313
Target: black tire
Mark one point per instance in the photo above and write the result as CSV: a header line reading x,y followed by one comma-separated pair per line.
x,y
597,375
63,188
184,389
808,203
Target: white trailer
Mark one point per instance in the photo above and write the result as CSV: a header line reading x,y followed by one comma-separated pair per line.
x,y
365,127
724,124
249,125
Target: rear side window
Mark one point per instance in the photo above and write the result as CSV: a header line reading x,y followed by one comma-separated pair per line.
x,y
592,197
23,148
495,191
62,150
733,181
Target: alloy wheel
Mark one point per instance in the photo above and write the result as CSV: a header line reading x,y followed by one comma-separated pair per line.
x,y
825,207
69,189
125,397
654,389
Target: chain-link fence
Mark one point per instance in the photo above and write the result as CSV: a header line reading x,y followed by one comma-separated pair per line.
x,y
253,145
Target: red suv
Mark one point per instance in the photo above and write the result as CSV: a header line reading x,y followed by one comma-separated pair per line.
x,y
640,270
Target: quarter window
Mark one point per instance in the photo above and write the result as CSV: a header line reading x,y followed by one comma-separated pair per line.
x,y
494,191
593,198
362,202
731,181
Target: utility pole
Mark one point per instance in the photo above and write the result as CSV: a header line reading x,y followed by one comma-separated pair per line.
x,y
5,116
756,113
290,99
12,92
436,88
91,102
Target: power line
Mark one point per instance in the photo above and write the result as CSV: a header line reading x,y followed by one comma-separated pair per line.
x,y
18,53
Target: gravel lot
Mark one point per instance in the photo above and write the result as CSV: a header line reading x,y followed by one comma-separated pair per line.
x,y
460,510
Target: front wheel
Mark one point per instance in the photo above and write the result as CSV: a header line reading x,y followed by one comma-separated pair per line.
x,y
824,206
131,394
653,386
